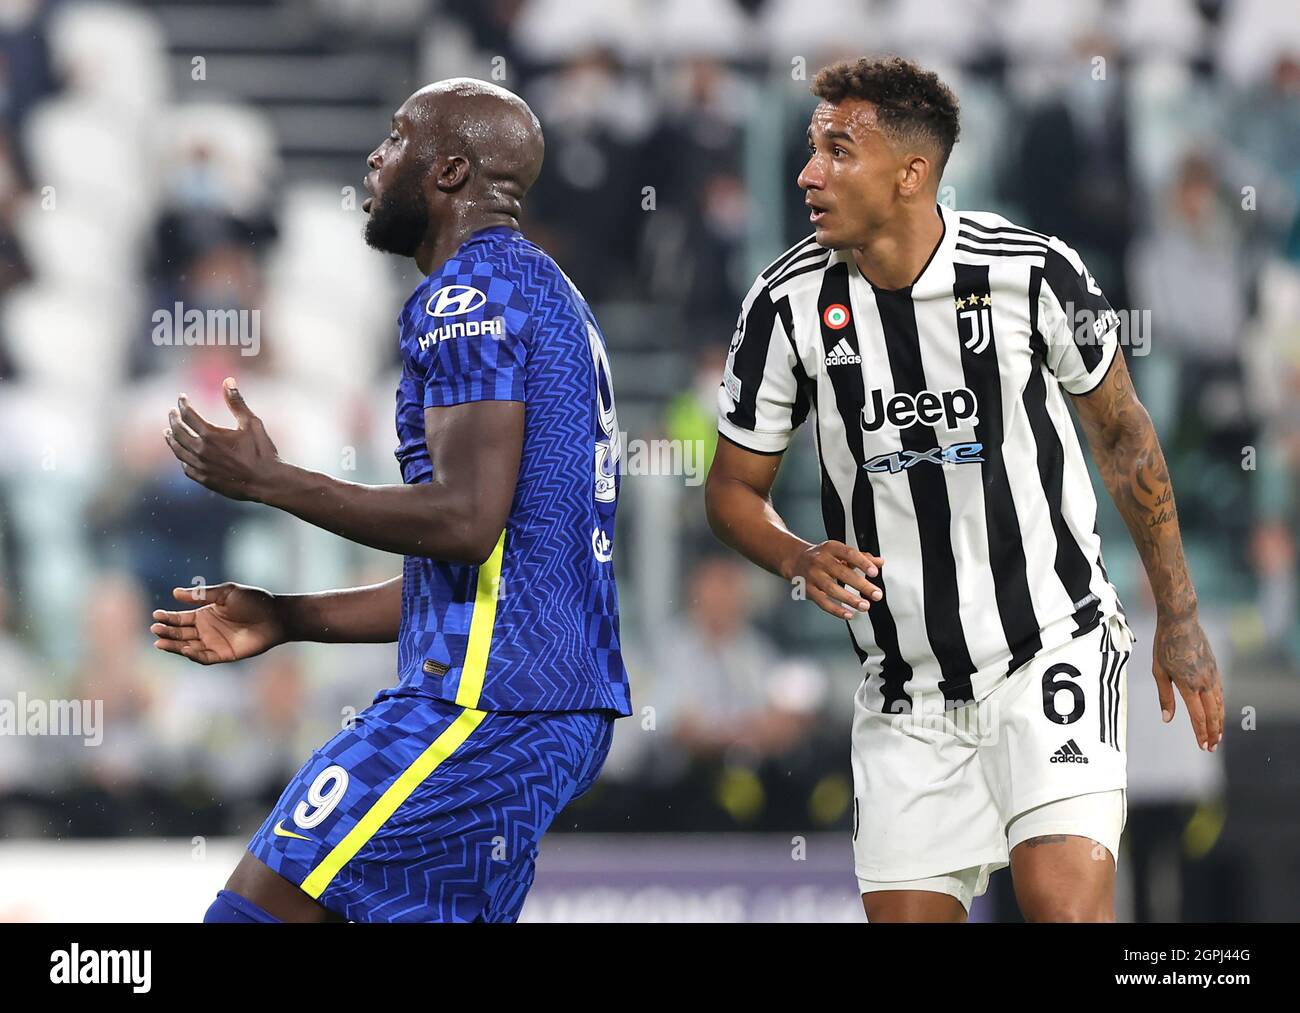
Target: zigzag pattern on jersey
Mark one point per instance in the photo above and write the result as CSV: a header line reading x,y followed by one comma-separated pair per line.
x,y
461,847
555,642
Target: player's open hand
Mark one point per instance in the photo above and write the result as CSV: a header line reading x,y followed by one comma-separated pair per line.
x,y
238,463
232,622
834,576
1181,656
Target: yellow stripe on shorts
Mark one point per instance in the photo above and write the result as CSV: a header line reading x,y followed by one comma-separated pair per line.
x,y
451,739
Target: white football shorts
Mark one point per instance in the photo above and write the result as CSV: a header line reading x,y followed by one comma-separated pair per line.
x,y
942,796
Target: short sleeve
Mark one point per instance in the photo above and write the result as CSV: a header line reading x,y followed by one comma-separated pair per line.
x,y
474,339
1080,329
763,395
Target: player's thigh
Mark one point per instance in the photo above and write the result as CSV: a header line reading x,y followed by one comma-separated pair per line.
x,y
895,905
1060,721
1063,858
425,811
922,804
348,802
582,741
911,906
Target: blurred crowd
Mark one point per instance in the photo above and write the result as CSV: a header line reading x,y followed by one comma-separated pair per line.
x,y
1160,138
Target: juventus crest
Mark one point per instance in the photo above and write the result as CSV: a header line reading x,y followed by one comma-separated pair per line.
x,y
975,321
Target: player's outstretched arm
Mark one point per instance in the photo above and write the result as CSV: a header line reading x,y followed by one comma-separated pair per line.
x,y
737,497
234,621
458,516
1128,455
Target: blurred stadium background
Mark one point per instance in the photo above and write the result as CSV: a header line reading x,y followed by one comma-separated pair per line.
x,y
212,153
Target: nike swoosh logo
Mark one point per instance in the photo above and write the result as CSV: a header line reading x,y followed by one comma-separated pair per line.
x,y
281,832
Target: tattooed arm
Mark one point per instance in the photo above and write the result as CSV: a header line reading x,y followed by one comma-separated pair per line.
x,y
1132,465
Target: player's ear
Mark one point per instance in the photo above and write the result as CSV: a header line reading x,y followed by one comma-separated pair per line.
x,y
452,173
914,175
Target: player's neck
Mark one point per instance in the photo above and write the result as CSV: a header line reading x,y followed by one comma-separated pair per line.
x,y
895,256
441,242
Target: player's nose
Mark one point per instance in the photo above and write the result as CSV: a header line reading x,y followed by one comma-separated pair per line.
x,y
373,160
810,177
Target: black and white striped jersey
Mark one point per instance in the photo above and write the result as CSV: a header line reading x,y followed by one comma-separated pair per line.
x,y
945,443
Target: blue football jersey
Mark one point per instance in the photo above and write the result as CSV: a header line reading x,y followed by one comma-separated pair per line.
x,y
535,627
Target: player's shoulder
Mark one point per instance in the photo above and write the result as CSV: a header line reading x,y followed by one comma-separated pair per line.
x,y
991,221
801,264
494,268
1064,275
518,262
991,234
490,253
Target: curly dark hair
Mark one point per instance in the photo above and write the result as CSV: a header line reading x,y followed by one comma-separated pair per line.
x,y
912,104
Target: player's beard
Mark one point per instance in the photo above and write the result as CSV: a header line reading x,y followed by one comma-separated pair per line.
x,y
399,220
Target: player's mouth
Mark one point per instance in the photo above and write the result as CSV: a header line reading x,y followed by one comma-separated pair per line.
x,y
815,212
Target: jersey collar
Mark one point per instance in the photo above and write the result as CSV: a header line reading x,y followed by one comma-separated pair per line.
x,y
490,232
943,250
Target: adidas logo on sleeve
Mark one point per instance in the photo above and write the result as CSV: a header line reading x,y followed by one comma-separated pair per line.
x,y
1069,753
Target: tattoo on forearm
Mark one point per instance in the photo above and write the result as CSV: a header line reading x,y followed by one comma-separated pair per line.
x,y
1133,467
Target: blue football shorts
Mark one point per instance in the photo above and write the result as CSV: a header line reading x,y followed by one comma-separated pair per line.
x,y
426,811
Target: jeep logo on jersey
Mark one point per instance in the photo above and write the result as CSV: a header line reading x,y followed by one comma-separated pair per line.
x,y
902,411
453,300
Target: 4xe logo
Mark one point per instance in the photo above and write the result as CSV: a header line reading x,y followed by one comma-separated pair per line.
x,y
952,408
901,460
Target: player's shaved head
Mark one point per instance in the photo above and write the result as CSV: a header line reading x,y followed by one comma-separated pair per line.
x,y
461,156
492,128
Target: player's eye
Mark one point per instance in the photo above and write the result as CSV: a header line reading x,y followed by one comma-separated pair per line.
x,y
837,151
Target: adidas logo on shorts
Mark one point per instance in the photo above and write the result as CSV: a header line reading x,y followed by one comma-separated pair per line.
x,y
1069,753
843,355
